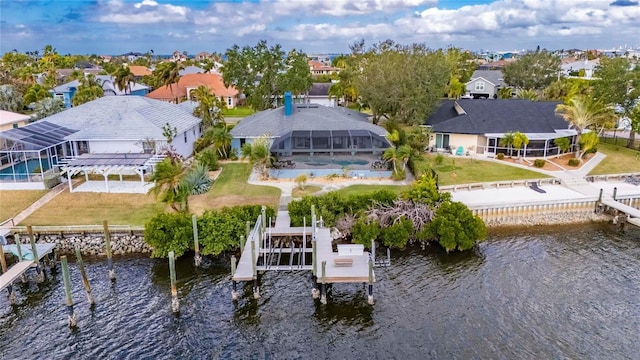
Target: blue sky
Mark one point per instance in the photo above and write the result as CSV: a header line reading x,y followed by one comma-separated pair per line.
x,y
119,26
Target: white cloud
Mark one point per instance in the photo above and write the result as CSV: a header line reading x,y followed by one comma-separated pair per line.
x,y
145,12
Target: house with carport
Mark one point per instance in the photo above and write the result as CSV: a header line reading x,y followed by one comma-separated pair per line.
x,y
478,126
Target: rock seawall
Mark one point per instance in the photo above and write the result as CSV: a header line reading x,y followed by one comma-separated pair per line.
x,y
94,244
547,219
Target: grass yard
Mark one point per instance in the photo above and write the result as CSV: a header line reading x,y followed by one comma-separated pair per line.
x,y
92,208
619,160
12,202
231,189
458,170
239,111
298,192
365,189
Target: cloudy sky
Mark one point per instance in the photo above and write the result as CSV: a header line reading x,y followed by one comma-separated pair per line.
x,y
119,26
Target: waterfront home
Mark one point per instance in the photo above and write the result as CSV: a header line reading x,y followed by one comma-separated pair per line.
x,y
477,126
485,84
312,130
181,90
319,68
109,125
65,92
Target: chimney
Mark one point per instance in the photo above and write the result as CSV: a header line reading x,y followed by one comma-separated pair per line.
x,y
288,103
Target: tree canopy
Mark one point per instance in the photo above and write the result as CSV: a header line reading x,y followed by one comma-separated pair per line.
x,y
535,70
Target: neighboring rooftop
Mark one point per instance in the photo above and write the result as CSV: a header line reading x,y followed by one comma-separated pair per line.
x,y
192,81
493,76
8,117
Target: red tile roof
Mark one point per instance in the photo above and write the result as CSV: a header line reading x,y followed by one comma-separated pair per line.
x,y
178,91
137,70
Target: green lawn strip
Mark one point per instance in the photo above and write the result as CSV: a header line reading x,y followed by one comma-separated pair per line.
x,y
238,111
12,202
365,189
92,208
308,190
457,170
619,160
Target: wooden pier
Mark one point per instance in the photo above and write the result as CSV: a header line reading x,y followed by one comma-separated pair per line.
x,y
632,214
262,252
22,265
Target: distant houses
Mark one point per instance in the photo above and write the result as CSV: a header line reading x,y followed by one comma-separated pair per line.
x,y
65,92
181,91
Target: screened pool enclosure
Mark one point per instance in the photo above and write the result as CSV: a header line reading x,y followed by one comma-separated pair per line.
x,y
29,152
329,142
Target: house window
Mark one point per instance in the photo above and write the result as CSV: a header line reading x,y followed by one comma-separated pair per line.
x,y
15,125
185,137
479,85
229,101
442,141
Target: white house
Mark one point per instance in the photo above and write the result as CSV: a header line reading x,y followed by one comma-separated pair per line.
x,y
484,84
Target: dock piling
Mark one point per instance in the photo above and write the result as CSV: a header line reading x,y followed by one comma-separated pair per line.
x,y
175,304
36,259
3,265
323,292
234,290
256,289
615,192
67,290
85,280
241,243
370,287
196,245
23,277
107,238
314,272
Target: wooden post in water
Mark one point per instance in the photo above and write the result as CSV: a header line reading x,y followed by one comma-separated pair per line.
x,y
107,239
234,290
36,258
256,289
175,304
67,290
3,265
370,290
323,292
196,245
85,280
314,270
599,202
23,277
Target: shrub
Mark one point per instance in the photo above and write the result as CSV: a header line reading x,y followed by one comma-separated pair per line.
x,y
196,181
439,159
500,156
301,180
455,227
398,176
37,170
209,159
574,162
539,163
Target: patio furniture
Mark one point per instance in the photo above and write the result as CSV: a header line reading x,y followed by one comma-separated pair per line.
x,y
460,151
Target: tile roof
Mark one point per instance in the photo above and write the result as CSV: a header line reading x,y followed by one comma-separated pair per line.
x,y
496,116
138,70
213,81
304,117
123,118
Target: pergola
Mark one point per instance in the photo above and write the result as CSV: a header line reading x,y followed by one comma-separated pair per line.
x,y
107,164
40,140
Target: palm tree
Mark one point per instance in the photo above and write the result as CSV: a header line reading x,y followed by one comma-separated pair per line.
x,y
403,154
528,94
90,89
123,79
583,113
519,140
505,93
259,155
222,140
168,178
455,88
35,93
47,107
507,141
205,107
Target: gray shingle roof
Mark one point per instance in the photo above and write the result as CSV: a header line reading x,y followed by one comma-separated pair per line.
x,y
124,118
497,116
493,76
304,117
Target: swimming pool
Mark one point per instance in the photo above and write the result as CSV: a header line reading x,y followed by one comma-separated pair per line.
x,y
318,173
323,161
22,169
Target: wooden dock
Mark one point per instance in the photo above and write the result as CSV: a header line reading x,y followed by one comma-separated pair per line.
x,y
262,253
21,267
633,213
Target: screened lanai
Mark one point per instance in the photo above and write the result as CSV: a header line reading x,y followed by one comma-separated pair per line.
x,y
27,153
329,142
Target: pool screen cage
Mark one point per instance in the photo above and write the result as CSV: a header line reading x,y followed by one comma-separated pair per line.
x,y
329,142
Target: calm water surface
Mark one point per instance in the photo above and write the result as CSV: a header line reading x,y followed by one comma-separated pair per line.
x,y
560,292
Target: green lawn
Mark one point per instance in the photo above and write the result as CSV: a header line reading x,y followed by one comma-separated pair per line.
x,y
239,111
298,192
81,208
458,170
619,160
231,189
364,189
12,202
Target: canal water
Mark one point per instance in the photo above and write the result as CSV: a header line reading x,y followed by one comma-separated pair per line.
x,y
536,293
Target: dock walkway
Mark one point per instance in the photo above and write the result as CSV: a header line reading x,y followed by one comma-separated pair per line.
x,y
22,266
633,213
